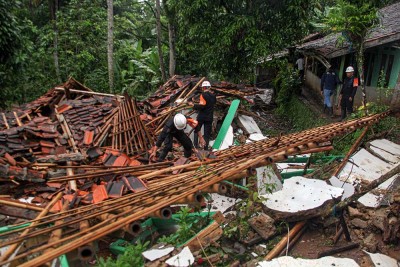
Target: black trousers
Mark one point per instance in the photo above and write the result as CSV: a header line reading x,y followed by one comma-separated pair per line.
x,y
183,139
346,105
207,132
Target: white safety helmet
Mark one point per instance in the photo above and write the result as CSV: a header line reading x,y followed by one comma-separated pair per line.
x,y
350,69
206,84
180,121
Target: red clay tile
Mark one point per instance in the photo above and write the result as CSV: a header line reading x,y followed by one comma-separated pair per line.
x,y
63,108
116,190
47,143
134,184
48,150
99,194
69,197
57,207
55,185
122,160
60,150
134,162
88,138
10,159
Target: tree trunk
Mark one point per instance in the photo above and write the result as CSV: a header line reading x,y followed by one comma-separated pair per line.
x,y
110,45
172,50
360,68
158,26
53,5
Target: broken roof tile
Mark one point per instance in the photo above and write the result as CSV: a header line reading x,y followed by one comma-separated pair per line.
x,y
88,138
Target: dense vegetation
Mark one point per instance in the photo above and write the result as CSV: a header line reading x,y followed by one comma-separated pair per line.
x,y
42,42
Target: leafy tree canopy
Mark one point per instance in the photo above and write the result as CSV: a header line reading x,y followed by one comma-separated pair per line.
x,y
226,38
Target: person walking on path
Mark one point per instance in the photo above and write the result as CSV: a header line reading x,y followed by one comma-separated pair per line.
x,y
300,67
329,82
348,92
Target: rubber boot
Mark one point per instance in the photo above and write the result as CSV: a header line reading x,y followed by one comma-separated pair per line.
x,y
343,114
331,112
325,108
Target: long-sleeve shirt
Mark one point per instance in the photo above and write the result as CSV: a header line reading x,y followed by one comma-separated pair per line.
x,y
169,129
206,106
329,81
349,88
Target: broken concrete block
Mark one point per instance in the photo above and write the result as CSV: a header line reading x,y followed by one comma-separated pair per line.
x,y
267,180
248,124
371,243
382,260
263,225
287,261
183,259
156,253
354,212
359,223
300,198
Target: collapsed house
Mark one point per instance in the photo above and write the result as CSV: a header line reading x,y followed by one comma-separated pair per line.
x,y
83,156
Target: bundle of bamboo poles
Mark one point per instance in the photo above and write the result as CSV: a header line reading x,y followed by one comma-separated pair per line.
x,y
166,190
125,129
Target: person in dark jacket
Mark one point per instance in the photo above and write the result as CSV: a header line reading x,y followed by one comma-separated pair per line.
x,y
329,81
206,114
174,128
348,92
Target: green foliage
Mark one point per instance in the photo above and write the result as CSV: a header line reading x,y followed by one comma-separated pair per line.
x,y
245,208
225,39
286,85
9,29
131,257
188,226
352,20
301,117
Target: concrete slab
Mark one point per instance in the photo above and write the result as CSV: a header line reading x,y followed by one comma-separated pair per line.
x,y
249,124
222,203
267,178
287,261
382,260
255,137
348,188
387,146
301,194
374,200
365,167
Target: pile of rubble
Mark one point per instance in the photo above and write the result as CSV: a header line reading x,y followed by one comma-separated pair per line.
x,y
82,158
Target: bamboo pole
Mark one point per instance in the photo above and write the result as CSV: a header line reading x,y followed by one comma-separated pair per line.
x,y
13,247
20,205
281,245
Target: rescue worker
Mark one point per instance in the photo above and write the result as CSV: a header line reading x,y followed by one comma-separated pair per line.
x,y
329,81
348,92
174,128
205,115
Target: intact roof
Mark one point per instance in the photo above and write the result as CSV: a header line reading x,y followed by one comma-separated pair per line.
x,y
387,31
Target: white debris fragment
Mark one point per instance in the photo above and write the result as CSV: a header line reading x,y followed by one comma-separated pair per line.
x,y
348,188
363,166
222,203
249,124
153,254
184,258
382,260
228,140
372,200
266,180
287,261
300,194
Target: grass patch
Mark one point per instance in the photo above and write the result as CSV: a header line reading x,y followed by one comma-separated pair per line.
x,y
300,116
